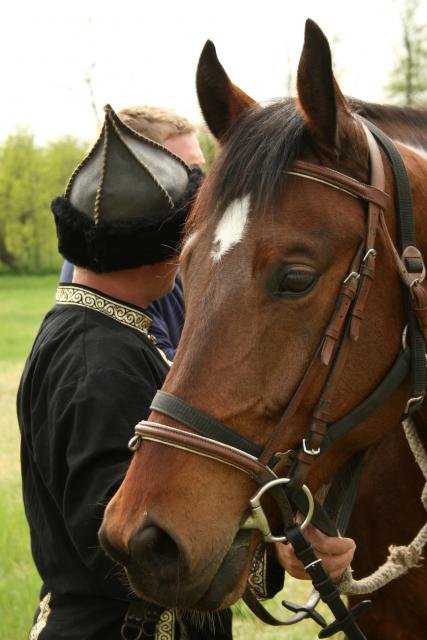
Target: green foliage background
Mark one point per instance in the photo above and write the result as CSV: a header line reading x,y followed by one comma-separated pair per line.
x,y
407,83
30,176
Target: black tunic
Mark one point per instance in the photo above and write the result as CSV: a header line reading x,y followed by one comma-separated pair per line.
x,y
90,377
88,380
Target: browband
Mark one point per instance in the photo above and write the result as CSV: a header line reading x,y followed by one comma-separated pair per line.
x,y
339,181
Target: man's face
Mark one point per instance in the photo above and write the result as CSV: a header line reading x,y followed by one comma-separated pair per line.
x,y
186,146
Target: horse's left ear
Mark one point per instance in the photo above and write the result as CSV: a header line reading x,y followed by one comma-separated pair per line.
x,y
220,100
324,107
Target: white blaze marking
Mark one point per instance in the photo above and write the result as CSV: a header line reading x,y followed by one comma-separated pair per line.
x,y
231,227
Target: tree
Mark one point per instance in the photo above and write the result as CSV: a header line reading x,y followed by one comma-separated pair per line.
x,y
30,176
408,81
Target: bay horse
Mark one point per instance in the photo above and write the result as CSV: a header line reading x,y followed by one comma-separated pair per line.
x,y
278,231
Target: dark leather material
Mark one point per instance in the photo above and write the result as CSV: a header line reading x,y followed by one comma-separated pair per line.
x,y
204,446
204,424
126,176
126,203
323,583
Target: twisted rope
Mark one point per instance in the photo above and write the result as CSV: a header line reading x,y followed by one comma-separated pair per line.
x,y
400,558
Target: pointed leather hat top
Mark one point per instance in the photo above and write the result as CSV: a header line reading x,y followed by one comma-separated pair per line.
x,y
126,177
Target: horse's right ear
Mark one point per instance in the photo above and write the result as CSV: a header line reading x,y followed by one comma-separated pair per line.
x,y
220,100
325,109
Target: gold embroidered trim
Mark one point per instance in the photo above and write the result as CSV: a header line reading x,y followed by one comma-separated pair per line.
x,y
165,628
119,312
257,579
41,618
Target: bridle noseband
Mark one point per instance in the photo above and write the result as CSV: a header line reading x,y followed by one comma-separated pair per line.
x,y
216,441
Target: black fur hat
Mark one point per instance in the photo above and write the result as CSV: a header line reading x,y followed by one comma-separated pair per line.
x,y
126,203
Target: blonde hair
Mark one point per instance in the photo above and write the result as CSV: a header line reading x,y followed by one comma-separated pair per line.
x,y
155,123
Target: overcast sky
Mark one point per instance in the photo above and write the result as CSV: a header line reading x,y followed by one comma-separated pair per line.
x,y
141,52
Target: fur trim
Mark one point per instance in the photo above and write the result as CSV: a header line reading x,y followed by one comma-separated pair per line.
x,y
115,245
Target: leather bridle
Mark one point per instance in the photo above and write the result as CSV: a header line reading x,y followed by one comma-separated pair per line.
x,y
216,441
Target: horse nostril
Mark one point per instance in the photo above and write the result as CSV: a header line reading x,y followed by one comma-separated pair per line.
x,y
151,547
113,551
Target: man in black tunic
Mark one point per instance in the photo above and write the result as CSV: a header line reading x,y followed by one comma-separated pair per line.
x,y
91,375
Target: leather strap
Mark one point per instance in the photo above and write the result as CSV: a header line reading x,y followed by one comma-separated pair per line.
x,y
205,447
393,379
323,583
407,237
301,613
342,493
340,181
203,423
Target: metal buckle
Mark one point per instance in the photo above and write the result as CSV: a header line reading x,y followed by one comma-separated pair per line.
x,y
370,252
405,337
258,520
135,442
352,275
137,633
413,401
309,452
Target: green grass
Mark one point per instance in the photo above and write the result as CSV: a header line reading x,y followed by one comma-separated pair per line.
x,y
19,581
24,300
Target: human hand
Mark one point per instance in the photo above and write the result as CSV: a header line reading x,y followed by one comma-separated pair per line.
x,y
336,554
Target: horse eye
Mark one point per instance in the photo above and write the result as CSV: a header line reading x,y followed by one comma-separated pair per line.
x,y
296,282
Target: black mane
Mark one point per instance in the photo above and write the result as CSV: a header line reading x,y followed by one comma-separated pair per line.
x,y
256,151
381,113
402,124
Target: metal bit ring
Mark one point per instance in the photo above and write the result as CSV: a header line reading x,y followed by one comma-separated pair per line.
x,y
258,520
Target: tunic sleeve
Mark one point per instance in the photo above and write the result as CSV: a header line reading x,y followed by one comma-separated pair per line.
x,y
91,425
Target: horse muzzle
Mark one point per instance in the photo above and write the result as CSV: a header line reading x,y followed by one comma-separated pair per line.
x,y
158,570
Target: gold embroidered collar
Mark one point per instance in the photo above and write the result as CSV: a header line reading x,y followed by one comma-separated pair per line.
x,y
82,297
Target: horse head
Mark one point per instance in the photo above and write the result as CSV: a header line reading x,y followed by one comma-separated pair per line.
x,y
267,250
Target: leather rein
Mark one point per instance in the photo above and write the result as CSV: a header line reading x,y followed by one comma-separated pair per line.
x,y
264,465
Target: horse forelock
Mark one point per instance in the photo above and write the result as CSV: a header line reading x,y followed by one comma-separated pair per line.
x,y
255,154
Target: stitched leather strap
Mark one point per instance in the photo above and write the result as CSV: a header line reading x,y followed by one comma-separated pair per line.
x,y
204,424
341,181
206,447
